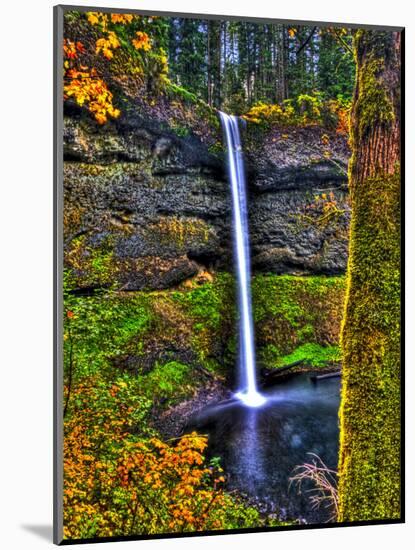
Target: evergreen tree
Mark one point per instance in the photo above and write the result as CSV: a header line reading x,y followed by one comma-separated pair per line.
x,y
234,64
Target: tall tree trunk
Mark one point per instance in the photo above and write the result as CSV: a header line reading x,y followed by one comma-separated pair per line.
x,y
214,63
283,53
209,64
369,462
217,72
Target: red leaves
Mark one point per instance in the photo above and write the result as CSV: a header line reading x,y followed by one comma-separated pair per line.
x,y
71,49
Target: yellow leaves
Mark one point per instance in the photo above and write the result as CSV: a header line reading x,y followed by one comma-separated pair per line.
x,y
269,113
107,45
85,89
163,65
96,18
100,102
113,40
102,45
82,84
142,41
122,18
323,210
103,19
163,486
93,17
325,140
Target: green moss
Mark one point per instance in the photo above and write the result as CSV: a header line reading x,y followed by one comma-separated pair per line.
x,y
101,327
369,466
197,321
373,106
313,355
180,131
217,148
181,233
291,311
91,265
206,302
106,329
175,91
369,463
211,310
170,381
195,106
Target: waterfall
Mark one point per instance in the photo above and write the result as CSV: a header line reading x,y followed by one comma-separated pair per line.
x,y
248,392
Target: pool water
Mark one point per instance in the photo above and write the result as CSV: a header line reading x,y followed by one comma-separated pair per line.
x,y
260,447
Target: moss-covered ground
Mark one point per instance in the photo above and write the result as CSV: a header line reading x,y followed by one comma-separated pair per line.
x,y
164,337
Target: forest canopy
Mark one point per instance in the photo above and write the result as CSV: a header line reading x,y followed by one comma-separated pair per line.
x,y
237,66
232,65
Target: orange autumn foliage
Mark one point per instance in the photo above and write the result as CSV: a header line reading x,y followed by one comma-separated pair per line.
x,y
85,87
343,121
91,91
97,18
341,109
142,42
119,484
82,84
122,18
107,45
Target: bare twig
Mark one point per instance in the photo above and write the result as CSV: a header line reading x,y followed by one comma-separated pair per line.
x,y
324,479
304,44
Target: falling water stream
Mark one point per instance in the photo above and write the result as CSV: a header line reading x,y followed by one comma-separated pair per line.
x,y
248,392
261,436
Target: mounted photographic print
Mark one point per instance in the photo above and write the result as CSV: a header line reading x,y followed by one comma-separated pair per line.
x,y
228,274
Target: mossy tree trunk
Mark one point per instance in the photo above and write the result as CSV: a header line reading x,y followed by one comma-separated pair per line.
x,y
369,463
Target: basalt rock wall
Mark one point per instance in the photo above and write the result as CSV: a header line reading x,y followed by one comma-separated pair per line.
x,y
147,208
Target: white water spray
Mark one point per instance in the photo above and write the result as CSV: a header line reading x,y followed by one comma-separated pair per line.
x,y
248,392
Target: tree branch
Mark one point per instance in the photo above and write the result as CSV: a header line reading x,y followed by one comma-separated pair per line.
x,y
304,44
342,41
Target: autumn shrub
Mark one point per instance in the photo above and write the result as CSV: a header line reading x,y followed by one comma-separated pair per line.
x,y
341,107
89,90
120,478
308,108
138,38
304,110
269,114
